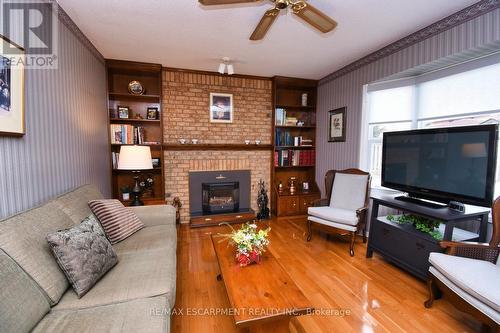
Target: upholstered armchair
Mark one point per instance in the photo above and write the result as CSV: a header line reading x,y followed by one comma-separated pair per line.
x,y
468,274
344,210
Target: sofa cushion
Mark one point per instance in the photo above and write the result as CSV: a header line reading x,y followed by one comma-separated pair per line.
x,y
348,191
118,221
75,203
22,237
476,277
155,215
83,253
142,315
22,303
139,274
338,215
148,239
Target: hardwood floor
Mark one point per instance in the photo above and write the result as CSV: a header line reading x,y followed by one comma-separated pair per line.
x,y
374,295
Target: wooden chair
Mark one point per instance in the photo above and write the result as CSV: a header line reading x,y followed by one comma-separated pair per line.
x,y
464,281
344,210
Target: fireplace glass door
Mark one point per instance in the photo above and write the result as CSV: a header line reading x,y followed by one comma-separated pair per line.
x,y
219,198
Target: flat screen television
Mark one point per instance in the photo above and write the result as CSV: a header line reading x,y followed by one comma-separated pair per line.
x,y
443,164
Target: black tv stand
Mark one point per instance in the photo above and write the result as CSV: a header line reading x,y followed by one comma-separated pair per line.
x,y
404,245
420,202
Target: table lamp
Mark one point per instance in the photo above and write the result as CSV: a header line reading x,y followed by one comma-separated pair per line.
x,y
135,159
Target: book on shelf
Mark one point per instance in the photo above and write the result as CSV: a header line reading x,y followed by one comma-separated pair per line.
x,y
280,117
290,157
126,134
115,158
283,120
284,138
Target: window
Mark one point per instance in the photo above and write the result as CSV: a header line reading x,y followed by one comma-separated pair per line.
x,y
461,99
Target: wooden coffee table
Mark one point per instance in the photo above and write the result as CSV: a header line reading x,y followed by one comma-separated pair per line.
x,y
258,293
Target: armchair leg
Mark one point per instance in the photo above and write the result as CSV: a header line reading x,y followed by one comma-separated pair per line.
x,y
309,230
434,292
353,238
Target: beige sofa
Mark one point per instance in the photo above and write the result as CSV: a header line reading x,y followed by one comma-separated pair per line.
x,y
134,296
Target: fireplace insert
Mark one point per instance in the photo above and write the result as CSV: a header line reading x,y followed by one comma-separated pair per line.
x,y
218,198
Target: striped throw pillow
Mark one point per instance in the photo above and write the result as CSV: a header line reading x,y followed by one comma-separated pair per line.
x,y
118,221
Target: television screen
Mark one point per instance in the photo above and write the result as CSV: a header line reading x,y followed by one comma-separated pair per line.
x,y
442,164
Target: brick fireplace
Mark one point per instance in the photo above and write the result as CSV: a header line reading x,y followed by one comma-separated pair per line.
x,y
186,116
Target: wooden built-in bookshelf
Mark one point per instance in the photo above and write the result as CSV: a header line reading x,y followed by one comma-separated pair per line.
x,y
120,74
294,143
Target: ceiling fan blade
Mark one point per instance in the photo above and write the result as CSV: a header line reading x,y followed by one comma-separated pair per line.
x,y
224,2
313,16
265,23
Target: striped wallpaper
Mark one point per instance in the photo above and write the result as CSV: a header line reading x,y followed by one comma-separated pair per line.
x,y
66,141
478,36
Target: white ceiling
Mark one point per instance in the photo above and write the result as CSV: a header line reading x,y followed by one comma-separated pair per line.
x,y
185,34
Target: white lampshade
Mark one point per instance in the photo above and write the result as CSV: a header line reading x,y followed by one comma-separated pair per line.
x,y
135,158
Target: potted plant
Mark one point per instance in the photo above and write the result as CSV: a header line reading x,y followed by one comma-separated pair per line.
x,y
249,243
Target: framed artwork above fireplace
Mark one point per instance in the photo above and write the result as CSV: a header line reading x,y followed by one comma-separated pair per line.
x,y
221,108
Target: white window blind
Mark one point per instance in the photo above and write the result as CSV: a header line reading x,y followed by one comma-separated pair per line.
x,y
470,97
469,92
391,105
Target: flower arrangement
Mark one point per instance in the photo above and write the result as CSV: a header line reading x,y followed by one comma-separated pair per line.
x,y
249,243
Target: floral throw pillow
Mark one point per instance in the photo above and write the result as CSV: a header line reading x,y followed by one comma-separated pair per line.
x,y
84,254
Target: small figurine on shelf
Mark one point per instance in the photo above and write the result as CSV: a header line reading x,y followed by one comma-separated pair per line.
x,y
280,187
263,202
138,116
177,204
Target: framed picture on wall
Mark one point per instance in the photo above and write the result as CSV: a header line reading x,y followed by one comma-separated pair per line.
x,y
337,125
221,108
11,88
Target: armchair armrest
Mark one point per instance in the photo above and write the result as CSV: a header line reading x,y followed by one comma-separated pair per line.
x,y
472,250
320,202
361,211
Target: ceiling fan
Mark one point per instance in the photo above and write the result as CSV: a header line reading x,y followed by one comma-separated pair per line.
x,y
301,8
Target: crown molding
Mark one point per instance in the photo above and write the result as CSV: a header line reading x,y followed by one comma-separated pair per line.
x,y
467,14
71,25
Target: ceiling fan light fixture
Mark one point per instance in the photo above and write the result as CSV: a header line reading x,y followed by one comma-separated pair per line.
x,y
230,69
222,68
281,4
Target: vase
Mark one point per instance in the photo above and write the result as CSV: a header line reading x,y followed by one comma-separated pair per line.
x,y
247,259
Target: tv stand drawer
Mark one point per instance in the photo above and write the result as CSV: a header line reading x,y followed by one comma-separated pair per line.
x,y
403,246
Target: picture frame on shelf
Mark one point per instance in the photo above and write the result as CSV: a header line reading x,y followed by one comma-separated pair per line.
x,y
305,186
156,162
221,108
152,113
123,112
337,120
12,60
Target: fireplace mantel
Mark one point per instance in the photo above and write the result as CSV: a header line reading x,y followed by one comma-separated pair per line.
x,y
233,147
